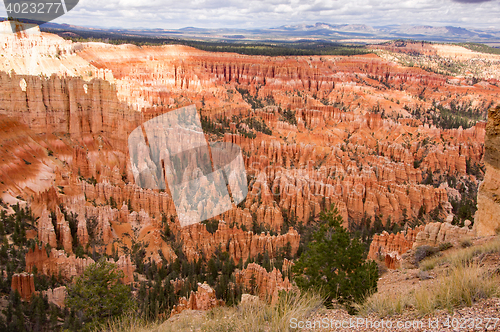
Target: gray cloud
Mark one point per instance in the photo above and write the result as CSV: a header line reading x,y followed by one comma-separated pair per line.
x,y
272,13
471,1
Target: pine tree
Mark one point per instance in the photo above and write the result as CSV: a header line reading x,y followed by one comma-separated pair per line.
x,y
253,284
102,278
334,263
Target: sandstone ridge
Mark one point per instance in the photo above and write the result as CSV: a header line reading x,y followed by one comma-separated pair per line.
x,y
487,219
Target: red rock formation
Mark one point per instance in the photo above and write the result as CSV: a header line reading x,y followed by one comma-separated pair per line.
x,y
392,260
125,264
56,295
240,217
389,247
177,283
64,232
154,203
265,284
57,262
242,244
203,299
46,232
400,242
201,69
24,284
82,232
48,200
435,233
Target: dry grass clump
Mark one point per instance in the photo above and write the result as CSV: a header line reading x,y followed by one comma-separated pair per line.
x,y
128,322
462,257
384,305
465,282
430,263
251,317
465,285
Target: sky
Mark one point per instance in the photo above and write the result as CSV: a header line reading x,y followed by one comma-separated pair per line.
x,y
174,14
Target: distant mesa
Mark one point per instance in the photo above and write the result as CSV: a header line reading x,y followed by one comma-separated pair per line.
x,y
234,36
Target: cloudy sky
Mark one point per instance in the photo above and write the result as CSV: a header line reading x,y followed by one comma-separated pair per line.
x,y
273,13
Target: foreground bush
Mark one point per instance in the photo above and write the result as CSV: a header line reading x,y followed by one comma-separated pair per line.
x,y
334,263
98,295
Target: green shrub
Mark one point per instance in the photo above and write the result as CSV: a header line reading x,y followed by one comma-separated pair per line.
x,y
333,263
98,295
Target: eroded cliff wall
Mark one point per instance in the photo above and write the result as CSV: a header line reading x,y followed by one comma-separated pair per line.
x,y
487,219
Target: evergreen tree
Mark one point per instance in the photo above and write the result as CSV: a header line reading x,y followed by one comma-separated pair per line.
x,y
334,264
98,294
253,285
